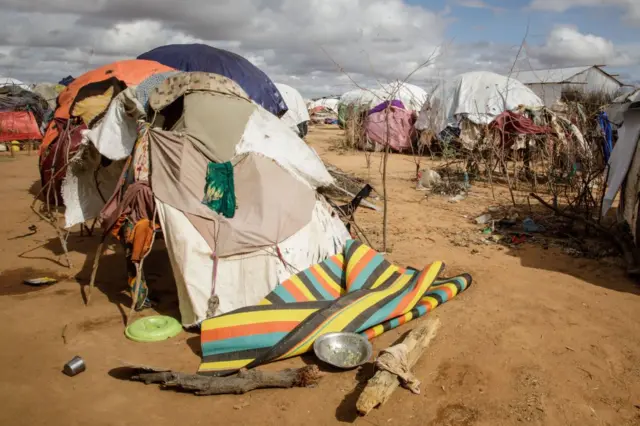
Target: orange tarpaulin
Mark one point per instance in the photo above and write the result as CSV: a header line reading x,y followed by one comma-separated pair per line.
x,y
132,72
19,126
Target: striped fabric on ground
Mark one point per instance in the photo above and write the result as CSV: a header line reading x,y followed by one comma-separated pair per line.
x,y
358,291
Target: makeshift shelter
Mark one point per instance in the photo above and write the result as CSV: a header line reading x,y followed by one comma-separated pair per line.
x,y
49,92
551,84
7,81
81,106
297,115
23,114
388,123
19,126
476,96
14,98
624,163
329,103
234,190
202,58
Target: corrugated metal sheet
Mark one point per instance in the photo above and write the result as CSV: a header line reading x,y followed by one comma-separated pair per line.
x,y
550,76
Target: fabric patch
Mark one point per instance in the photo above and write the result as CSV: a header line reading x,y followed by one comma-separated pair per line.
x,y
219,193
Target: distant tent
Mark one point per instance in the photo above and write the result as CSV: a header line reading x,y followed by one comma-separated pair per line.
x,y
388,123
49,92
357,100
297,116
19,126
478,96
6,81
329,103
67,80
203,58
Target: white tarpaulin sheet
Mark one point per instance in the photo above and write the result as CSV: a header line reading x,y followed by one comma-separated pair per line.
x,y
413,97
478,96
241,280
297,112
329,103
267,135
621,157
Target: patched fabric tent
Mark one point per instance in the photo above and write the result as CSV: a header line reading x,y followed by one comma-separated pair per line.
x,y
389,123
25,114
479,97
297,116
80,107
234,190
202,58
49,92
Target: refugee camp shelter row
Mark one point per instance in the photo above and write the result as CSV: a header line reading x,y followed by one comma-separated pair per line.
x,y
549,84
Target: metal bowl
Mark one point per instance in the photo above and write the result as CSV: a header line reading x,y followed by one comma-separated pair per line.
x,y
343,350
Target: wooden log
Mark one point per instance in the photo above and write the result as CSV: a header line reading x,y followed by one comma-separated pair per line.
x,y
245,381
381,386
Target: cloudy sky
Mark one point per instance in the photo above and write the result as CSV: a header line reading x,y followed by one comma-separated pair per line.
x,y
322,46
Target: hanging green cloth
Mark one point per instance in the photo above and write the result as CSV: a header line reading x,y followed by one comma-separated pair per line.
x,y
219,193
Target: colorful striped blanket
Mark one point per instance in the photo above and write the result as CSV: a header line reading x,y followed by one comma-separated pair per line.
x,y
358,291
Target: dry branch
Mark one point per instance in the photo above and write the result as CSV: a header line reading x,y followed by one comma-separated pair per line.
x,y
381,386
245,381
624,246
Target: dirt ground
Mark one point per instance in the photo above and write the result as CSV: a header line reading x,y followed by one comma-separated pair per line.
x,y
540,338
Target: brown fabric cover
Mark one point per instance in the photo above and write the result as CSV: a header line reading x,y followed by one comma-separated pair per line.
x,y
272,204
215,123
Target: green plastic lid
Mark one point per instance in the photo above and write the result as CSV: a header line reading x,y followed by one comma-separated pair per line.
x,y
153,329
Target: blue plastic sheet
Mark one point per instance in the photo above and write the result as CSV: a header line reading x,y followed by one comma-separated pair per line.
x,y
203,58
605,126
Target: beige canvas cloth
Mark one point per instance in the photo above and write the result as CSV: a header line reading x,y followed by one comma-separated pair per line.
x,y
180,84
272,204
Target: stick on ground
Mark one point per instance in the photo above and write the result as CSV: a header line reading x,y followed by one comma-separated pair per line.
x,y
381,386
245,381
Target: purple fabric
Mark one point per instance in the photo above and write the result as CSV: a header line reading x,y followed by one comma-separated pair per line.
x,y
394,103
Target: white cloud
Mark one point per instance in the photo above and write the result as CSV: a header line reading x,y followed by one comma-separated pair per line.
x,y
567,46
370,39
309,44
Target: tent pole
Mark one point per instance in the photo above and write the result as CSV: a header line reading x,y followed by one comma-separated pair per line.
x,y
94,271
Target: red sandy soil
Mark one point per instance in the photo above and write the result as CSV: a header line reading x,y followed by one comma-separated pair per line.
x,y
541,338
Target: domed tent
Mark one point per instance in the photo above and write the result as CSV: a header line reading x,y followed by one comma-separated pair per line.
x,y
202,58
297,116
7,81
235,194
81,105
411,96
388,123
23,114
479,97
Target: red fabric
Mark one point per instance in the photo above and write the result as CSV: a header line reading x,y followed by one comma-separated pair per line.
x,y
19,126
517,124
53,160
